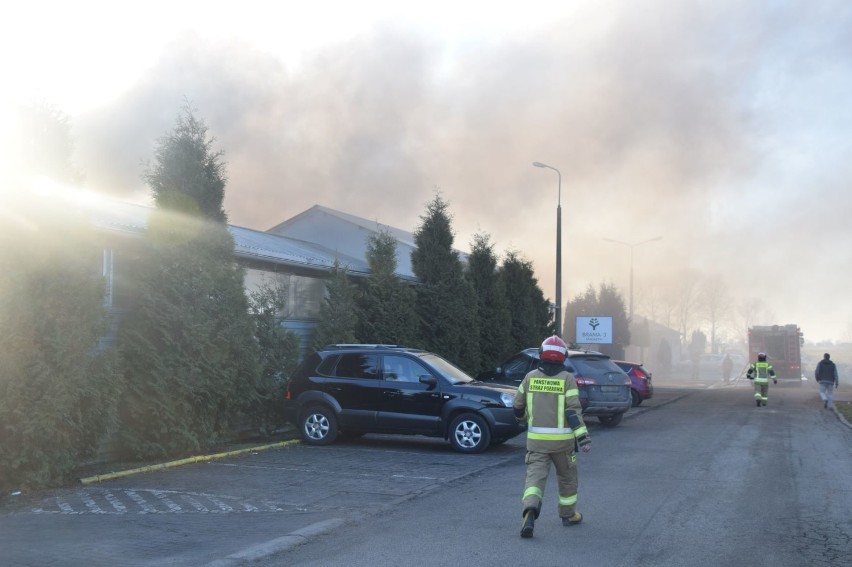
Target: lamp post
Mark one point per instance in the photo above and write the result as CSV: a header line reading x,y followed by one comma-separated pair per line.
x,y
633,245
557,314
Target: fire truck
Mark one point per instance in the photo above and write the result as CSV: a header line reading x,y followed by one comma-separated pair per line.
x,y
782,345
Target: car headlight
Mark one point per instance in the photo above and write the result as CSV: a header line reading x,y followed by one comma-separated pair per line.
x,y
507,399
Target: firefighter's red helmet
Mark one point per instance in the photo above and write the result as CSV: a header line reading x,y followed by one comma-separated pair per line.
x,y
554,349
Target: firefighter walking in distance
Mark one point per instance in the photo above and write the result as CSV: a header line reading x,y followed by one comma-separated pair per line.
x,y
549,401
761,371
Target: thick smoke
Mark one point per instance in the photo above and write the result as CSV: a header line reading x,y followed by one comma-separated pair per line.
x,y
706,124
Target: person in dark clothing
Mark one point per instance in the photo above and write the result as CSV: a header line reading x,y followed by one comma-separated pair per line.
x,y
826,375
727,368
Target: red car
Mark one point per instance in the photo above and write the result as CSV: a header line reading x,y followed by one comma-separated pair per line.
x,y
641,387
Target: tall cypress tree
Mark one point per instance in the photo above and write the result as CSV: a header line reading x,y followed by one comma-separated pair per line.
x,y
58,388
58,391
531,315
446,304
338,312
190,358
278,353
188,175
495,342
45,144
387,312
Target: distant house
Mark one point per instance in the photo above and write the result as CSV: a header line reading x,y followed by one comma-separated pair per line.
x,y
301,251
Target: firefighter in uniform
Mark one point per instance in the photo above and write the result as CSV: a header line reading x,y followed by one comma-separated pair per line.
x,y
549,401
761,371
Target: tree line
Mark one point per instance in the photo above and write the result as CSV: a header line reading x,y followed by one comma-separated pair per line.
x,y
196,357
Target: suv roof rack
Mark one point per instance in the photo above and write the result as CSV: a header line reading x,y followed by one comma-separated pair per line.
x,y
359,345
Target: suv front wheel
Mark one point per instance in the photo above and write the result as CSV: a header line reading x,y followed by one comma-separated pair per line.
x,y
469,433
319,426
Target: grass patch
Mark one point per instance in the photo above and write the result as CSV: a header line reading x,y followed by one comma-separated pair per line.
x,y
845,409
114,466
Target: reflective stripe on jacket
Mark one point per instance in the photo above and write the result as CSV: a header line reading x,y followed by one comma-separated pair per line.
x,y
762,372
545,400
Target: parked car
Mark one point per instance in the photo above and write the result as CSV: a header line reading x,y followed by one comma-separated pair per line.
x,y
350,390
641,387
604,388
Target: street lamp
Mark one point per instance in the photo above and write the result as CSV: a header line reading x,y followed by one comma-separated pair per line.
x,y
558,311
633,245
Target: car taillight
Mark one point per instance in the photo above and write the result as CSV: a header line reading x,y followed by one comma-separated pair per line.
x,y
583,381
287,395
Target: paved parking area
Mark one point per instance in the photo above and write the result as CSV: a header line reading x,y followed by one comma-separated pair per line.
x,y
204,512
231,510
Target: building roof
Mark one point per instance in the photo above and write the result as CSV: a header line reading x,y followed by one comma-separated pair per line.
x,y
253,244
132,219
400,235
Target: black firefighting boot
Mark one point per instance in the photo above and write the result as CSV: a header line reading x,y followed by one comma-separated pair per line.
x,y
758,402
530,516
529,523
572,520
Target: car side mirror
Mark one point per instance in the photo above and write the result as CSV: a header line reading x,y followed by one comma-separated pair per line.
x,y
429,380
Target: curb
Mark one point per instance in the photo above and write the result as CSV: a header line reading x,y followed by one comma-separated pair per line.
x,y
840,417
187,461
280,544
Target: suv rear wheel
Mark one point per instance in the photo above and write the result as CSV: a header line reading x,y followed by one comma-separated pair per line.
x,y
610,420
319,426
469,433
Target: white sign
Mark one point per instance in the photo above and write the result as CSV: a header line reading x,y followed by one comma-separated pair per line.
x,y
594,330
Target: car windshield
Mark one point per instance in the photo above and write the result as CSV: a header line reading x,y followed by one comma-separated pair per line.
x,y
450,371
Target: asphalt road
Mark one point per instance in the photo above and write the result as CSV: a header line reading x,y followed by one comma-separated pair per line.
x,y
707,479
696,476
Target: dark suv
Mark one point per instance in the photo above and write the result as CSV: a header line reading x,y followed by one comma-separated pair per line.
x,y
350,390
604,388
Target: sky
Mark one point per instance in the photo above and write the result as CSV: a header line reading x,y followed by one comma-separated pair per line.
x,y
709,139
